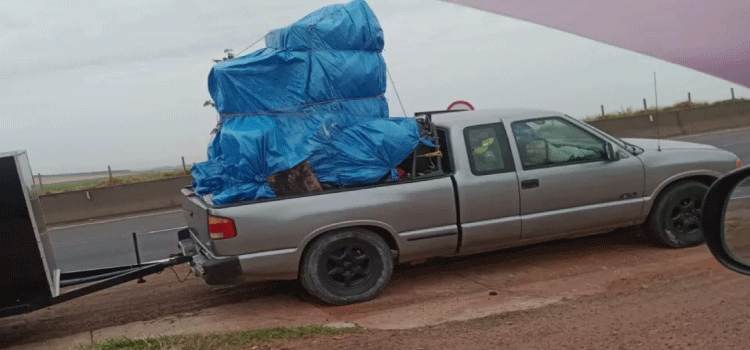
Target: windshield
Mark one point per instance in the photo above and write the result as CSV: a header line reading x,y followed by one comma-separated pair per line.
x,y
620,142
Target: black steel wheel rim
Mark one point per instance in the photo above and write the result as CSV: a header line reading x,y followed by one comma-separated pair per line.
x,y
685,215
349,264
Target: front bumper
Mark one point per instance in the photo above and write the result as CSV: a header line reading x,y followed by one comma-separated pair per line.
x,y
215,271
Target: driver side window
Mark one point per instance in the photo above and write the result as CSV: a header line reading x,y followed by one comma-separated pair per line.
x,y
554,141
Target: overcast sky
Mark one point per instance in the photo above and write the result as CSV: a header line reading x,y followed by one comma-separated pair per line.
x,y
86,84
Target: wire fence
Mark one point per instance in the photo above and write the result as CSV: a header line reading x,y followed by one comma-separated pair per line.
x,y
654,107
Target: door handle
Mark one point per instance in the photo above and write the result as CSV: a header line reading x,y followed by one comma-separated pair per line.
x,y
526,184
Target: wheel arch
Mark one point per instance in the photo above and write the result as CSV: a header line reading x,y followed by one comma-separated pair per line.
x,y
381,229
705,177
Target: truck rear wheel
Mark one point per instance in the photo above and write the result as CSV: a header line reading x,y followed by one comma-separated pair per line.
x,y
346,266
676,219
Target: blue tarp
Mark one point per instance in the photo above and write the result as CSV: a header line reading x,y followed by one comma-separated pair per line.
x,y
314,93
329,55
365,152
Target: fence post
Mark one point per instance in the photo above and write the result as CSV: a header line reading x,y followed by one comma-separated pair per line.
x,y
602,110
184,167
137,255
732,89
109,169
39,176
690,99
645,108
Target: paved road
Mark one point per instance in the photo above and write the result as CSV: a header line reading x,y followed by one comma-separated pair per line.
x,y
736,141
109,243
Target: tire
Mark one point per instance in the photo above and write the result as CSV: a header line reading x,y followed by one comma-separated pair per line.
x,y
675,220
347,266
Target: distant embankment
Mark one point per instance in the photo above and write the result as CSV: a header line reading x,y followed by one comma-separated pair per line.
x,y
679,122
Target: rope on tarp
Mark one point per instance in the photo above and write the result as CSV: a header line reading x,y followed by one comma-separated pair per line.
x,y
253,44
283,112
430,155
395,90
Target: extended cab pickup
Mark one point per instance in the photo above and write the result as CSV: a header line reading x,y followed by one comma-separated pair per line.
x,y
505,178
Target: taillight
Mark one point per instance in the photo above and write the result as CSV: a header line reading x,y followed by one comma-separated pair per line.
x,y
738,163
221,228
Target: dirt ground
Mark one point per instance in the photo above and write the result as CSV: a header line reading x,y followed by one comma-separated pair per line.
x,y
614,291
706,310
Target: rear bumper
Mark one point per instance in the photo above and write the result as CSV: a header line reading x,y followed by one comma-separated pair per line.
x,y
215,271
270,265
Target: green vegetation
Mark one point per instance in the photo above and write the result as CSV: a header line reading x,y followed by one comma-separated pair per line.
x,y
120,180
680,105
217,341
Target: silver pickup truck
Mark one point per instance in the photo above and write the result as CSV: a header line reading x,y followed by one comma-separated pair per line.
x,y
501,178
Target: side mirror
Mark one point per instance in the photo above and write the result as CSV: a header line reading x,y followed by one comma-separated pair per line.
x,y
611,153
726,220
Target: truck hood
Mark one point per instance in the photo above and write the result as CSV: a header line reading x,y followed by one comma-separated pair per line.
x,y
652,144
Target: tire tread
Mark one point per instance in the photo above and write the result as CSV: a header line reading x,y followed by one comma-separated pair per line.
x,y
309,279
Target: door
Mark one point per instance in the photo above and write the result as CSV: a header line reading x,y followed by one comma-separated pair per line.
x,y
487,188
568,185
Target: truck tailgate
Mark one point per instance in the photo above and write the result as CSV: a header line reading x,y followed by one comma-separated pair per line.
x,y
196,216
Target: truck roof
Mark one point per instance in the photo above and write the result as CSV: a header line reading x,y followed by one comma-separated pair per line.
x,y
485,116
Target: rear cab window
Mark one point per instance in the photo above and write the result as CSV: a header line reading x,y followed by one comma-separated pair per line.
x,y
488,149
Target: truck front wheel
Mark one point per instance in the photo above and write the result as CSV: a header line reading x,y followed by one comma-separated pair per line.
x,y
347,266
676,219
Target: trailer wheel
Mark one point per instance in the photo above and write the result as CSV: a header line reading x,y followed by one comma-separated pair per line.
x,y
676,219
347,266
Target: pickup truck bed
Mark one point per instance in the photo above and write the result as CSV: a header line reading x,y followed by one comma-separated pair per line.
x,y
418,217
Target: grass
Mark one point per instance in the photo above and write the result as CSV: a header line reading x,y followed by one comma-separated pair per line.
x,y
120,180
627,112
213,341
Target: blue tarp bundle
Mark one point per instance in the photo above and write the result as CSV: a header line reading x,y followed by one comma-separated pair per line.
x,y
314,93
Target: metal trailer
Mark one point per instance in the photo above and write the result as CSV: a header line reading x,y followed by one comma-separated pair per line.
x,y
29,277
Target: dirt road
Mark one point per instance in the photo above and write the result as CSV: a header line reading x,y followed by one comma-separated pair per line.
x,y
702,310
615,291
